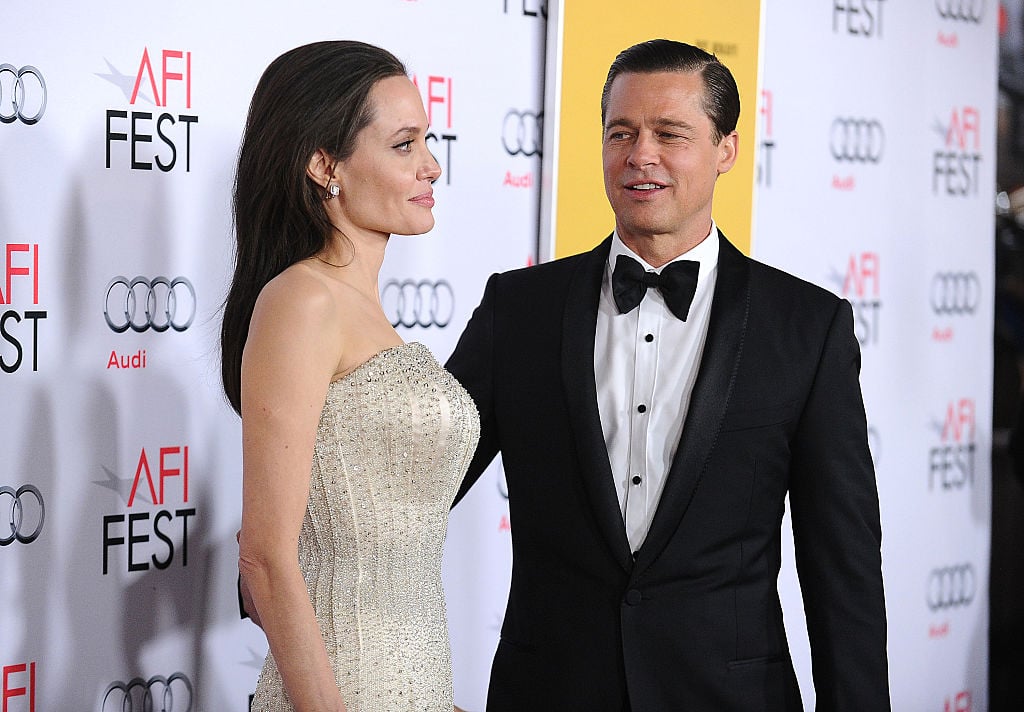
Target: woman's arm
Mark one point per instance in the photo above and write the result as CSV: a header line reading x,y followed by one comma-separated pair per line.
x,y
290,356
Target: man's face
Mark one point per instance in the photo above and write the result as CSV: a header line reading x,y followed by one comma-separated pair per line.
x,y
660,160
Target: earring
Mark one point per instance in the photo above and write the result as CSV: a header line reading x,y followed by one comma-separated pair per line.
x,y
333,191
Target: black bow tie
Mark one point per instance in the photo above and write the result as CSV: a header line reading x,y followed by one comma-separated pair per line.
x,y
677,284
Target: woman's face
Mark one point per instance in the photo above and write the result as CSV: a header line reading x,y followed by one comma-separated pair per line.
x,y
386,182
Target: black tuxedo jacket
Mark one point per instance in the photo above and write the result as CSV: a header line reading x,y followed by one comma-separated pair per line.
x,y
693,622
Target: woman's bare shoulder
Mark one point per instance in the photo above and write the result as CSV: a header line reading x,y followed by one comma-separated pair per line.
x,y
298,293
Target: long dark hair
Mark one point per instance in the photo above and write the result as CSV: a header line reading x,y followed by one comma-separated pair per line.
x,y
312,97
721,97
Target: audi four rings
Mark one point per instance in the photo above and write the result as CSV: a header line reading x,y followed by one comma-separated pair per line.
x,y
157,694
965,10
422,303
141,304
951,587
955,293
522,133
857,140
21,529
22,94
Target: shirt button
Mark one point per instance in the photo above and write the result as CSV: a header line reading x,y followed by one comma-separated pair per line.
x,y
637,479
649,338
641,408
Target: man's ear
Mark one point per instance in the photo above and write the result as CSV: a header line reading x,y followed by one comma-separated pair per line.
x,y
728,150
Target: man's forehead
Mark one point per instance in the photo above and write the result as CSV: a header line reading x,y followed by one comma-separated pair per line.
x,y
665,96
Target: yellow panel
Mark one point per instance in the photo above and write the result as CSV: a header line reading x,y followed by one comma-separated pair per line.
x,y
595,31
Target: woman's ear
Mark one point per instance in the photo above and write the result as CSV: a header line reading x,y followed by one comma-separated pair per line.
x,y
320,168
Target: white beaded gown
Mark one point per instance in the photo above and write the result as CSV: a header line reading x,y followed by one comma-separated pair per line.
x,y
395,438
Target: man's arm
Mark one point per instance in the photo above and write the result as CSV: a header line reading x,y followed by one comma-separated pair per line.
x,y
837,532
472,363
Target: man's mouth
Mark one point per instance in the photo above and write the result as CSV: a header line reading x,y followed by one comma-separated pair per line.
x,y
645,186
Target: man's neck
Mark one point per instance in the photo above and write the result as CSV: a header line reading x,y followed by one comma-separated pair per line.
x,y
658,250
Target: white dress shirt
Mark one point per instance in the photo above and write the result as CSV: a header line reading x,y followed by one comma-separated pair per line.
x,y
645,365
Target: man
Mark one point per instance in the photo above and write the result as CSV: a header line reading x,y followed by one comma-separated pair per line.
x,y
649,447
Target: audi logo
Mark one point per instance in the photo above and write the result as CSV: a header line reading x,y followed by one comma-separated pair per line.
x,y
955,293
962,10
857,140
140,304
22,94
951,587
25,522
423,303
157,694
522,133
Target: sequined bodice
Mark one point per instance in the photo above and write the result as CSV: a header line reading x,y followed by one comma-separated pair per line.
x,y
394,440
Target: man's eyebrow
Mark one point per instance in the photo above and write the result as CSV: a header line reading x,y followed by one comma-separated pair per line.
x,y
620,122
674,123
660,123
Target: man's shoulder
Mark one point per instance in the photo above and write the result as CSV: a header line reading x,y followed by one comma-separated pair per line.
x,y
553,272
775,283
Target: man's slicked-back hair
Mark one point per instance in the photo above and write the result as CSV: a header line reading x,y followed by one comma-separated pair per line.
x,y
721,97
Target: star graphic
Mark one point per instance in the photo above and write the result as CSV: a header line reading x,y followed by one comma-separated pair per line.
x,y
121,485
123,82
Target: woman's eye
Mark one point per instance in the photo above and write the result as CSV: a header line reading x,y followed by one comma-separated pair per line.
x,y
404,146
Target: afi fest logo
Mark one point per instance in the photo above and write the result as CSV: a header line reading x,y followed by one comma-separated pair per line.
x,y
436,91
767,144
960,702
955,166
860,283
951,461
859,18
144,535
148,133
18,681
22,94
19,328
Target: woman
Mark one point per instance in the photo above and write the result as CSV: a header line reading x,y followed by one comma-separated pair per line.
x,y
353,442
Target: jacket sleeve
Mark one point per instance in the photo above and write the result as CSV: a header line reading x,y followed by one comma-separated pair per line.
x,y
837,532
472,363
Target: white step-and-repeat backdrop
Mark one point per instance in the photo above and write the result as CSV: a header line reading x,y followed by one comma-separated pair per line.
x,y
876,179
119,460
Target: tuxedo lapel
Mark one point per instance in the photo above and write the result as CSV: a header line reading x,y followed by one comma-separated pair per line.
x,y
578,329
711,393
